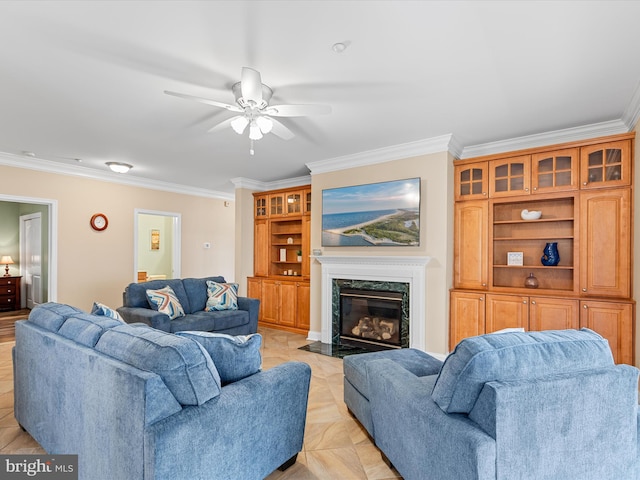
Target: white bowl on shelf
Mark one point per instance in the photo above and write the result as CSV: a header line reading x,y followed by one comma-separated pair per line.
x,y
530,215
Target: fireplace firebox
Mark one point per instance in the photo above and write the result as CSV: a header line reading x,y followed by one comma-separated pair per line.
x,y
370,316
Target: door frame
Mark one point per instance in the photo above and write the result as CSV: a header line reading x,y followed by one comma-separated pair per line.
x,y
175,254
52,239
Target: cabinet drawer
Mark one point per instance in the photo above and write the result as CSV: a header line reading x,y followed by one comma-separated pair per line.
x,y
5,300
8,290
8,281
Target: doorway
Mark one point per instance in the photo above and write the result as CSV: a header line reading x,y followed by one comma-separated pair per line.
x,y
156,245
48,261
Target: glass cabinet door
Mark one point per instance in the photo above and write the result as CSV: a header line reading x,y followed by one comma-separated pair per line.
x,y
276,203
605,165
554,171
294,203
509,176
260,207
471,181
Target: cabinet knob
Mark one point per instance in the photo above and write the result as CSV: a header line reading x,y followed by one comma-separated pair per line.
x,y
585,306
484,193
484,284
584,289
481,298
524,301
535,189
526,189
584,183
533,302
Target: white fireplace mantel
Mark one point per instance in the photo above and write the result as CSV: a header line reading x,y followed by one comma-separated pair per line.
x,y
403,269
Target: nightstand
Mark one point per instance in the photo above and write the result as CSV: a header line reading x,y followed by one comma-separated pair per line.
x,y
9,293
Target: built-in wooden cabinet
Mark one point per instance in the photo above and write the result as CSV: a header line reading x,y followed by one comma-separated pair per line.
x,y
282,227
584,192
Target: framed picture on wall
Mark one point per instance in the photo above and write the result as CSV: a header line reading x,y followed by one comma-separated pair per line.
x,y
155,239
375,214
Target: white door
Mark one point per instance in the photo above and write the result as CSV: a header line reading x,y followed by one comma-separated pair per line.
x,y
31,258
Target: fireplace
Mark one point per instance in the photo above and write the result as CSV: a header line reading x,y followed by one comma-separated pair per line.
x,y
370,315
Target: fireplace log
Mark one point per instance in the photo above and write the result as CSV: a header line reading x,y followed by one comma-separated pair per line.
x,y
374,328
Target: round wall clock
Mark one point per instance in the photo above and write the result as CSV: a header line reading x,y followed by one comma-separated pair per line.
x,y
99,222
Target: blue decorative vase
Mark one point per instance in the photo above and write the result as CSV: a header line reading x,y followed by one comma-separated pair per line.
x,y
551,256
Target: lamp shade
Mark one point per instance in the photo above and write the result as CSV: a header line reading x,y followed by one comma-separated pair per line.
x,y
6,260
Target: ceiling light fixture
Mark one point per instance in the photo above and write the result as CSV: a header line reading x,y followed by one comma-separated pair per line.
x,y
339,47
119,167
254,131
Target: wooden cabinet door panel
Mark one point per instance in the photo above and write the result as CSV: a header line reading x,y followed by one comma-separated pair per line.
x,y
605,245
470,245
303,319
510,176
261,248
605,165
288,310
506,311
467,316
553,313
270,304
614,321
471,181
555,171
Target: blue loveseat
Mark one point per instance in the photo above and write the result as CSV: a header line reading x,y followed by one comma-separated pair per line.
x,y
526,406
192,294
136,403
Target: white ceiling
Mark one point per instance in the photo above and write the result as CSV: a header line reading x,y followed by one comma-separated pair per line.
x,y
85,80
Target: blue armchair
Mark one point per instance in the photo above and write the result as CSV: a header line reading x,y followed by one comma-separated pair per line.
x,y
527,406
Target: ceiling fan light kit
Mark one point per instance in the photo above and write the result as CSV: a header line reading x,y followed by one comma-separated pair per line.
x,y
252,99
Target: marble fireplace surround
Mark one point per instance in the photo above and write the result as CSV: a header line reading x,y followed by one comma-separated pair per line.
x,y
403,269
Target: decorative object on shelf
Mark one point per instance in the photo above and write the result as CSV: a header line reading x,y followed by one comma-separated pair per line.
x,y
6,260
283,254
290,241
530,215
515,258
531,281
551,256
299,254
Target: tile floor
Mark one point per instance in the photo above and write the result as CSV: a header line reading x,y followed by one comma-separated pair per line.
x,y
335,447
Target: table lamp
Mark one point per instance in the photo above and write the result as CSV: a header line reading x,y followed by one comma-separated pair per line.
x,y
6,260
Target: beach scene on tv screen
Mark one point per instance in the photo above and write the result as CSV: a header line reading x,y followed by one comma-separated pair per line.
x,y
375,214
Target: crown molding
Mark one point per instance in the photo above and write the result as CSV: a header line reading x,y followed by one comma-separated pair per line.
x,y
631,114
49,166
584,132
258,186
442,143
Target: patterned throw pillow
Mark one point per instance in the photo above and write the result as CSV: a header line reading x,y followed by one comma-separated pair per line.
x,y
165,301
102,309
221,296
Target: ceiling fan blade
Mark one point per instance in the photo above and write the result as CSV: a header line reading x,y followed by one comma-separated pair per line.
x,y
232,108
222,125
279,130
251,85
296,110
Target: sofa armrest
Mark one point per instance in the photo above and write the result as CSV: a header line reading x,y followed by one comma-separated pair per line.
x,y
264,414
417,436
147,316
251,305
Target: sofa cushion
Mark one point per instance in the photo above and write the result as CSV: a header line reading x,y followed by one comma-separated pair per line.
x,y
221,296
52,315
184,365
165,301
101,309
514,356
211,321
196,290
87,329
235,357
135,294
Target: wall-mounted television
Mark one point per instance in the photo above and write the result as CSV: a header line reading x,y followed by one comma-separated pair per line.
x,y
375,214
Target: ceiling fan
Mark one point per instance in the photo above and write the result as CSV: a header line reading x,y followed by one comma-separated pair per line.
x,y
254,111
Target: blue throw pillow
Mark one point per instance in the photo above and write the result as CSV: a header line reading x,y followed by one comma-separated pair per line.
x,y
164,300
103,310
235,357
221,296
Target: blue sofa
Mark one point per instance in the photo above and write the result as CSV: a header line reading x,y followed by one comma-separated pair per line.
x,y
526,406
192,294
136,403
